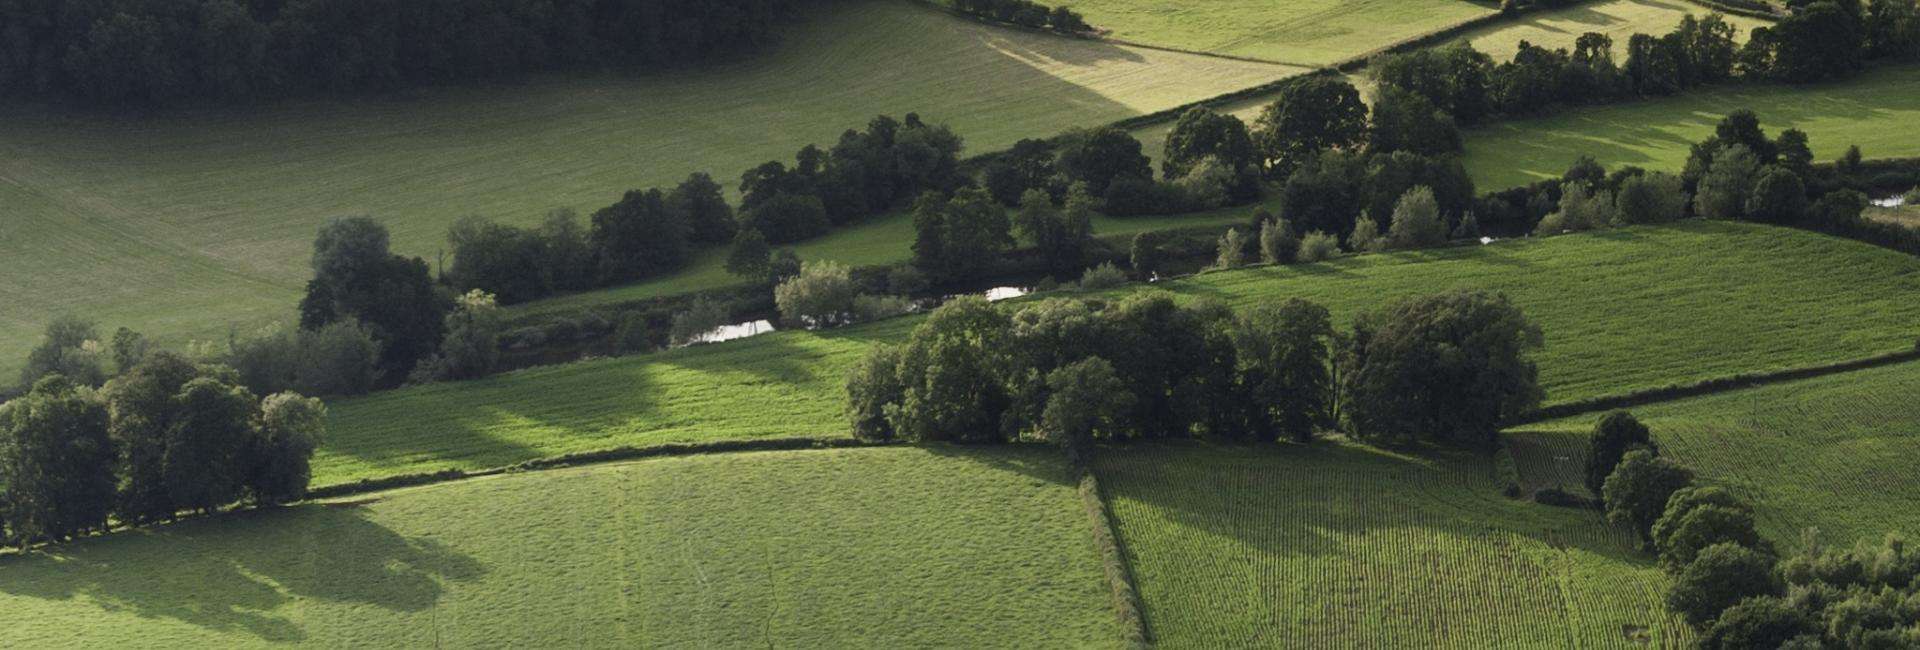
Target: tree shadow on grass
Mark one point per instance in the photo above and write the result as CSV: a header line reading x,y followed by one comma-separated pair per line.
x,y
239,573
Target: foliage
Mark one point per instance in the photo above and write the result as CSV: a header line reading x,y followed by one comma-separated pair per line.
x,y
750,256
1318,247
1102,277
1366,236
1638,490
1310,115
57,460
1779,196
639,237
1102,156
1085,400
1283,354
471,349
1721,577
1061,236
699,319
205,461
356,277
1615,434
821,296
1448,367
1233,250
290,428
1406,121
70,348
1651,198
1417,222
948,375
709,220
955,238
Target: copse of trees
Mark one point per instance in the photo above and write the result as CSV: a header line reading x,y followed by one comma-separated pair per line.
x,y
1027,13
356,277
164,437
1447,368
134,52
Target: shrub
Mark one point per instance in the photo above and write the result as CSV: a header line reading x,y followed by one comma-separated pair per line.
x,y
1278,243
1144,254
872,386
339,359
1651,198
1416,221
632,336
1318,247
1366,236
1613,436
869,308
702,317
1637,492
1469,228
471,348
1104,276
1233,250
906,280
821,296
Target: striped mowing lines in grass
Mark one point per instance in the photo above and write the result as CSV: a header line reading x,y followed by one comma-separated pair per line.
x,y
1312,32
180,223
1340,545
1835,453
1622,310
863,548
1875,110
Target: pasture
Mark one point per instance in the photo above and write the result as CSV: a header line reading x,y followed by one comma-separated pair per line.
x,y
1622,310
1874,110
896,547
1834,453
181,222
1305,32
1339,545
1618,19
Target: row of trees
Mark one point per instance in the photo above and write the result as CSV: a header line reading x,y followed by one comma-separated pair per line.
x,y
1446,368
164,437
133,52
1027,13
1815,41
1728,581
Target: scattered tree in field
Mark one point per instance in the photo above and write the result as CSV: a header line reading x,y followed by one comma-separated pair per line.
x,y
1086,399
1279,244
1417,222
1310,115
821,296
57,462
1720,577
1448,367
1144,254
1616,433
70,349
290,428
1282,350
1637,491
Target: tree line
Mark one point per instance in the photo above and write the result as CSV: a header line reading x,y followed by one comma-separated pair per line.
x,y
142,52
1815,41
166,436
1446,369
1732,584
1027,13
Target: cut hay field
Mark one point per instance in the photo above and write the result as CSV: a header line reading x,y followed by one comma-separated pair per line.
x,y
1306,32
1622,310
895,547
182,222
1339,545
1834,453
1619,19
1875,110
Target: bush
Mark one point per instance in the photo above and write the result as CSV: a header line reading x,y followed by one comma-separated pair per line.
x,y
471,349
1638,490
1613,436
1651,198
1366,236
1278,243
701,318
869,308
632,336
873,385
1102,277
1318,247
821,296
1233,250
906,280
1417,222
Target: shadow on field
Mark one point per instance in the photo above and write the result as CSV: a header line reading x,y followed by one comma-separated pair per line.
x,y
236,572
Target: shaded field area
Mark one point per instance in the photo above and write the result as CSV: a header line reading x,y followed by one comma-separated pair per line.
x,y
1623,310
1310,32
1340,545
896,547
1834,453
182,222
1618,19
1875,110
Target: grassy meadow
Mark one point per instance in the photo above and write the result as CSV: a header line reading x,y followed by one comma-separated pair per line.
x,y
1619,19
1622,310
1340,545
1874,110
179,223
894,547
1834,453
1303,32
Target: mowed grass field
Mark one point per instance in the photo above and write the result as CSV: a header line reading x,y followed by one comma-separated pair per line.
x,y
874,548
1834,453
1622,310
180,223
1336,545
1307,32
1619,19
1875,110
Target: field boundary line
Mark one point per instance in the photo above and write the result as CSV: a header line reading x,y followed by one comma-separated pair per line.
x,y
1725,8
1713,386
1127,607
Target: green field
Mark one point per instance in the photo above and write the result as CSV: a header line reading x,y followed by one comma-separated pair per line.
x,y
1834,453
1307,32
1875,110
898,547
1339,545
180,223
1622,310
1619,19
1906,214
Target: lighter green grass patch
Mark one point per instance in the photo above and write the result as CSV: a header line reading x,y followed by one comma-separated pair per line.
x,y
1875,110
1310,32
1622,310
1339,545
1835,453
1619,19
870,548
180,223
